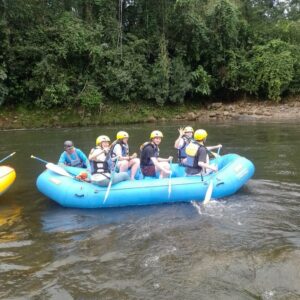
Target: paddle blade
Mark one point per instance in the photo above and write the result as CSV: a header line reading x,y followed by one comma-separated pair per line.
x,y
208,193
57,169
169,189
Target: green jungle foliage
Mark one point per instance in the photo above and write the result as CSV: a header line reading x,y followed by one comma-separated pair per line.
x,y
84,53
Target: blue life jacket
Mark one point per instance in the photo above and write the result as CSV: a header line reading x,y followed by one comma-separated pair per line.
x,y
76,162
124,147
181,152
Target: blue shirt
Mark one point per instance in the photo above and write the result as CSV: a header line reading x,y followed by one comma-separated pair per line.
x,y
75,156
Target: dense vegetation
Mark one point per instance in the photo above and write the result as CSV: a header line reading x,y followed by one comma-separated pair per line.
x,y
70,53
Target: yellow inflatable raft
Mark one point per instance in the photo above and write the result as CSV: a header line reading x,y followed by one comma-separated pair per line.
x,y
7,177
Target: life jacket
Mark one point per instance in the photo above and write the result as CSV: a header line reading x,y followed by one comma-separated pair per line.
x,y
124,147
145,160
102,163
181,151
192,152
76,162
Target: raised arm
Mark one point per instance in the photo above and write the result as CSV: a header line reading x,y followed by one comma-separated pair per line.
x,y
94,153
179,142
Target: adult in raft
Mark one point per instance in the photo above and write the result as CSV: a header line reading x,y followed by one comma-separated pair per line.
x,y
120,150
73,157
185,137
101,163
150,160
197,162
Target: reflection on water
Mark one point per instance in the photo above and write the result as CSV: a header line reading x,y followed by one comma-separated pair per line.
x,y
243,247
9,215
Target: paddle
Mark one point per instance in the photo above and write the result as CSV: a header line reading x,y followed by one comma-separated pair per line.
x,y
55,168
58,170
216,155
52,167
6,157
110,181
208,192
170,180
211,185
39,159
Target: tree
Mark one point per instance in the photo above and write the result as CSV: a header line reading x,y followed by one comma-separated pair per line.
x,y
272,69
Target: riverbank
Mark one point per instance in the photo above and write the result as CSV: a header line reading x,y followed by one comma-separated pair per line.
x,y
127,113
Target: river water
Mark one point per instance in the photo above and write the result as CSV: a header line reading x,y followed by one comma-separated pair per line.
x,y
243,247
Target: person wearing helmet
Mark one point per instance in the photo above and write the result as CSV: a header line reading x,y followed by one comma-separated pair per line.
x,y
73,157
150,160
101,163
120,150
196,161
185,137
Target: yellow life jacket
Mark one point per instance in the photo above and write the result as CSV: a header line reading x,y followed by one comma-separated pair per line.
x,y
192,149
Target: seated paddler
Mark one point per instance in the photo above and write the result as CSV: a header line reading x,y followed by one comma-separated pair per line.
x,y
100,160
120,150
185,137
197,161
73,157
150,160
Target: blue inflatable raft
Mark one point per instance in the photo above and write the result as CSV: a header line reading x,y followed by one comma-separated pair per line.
x,y
234,171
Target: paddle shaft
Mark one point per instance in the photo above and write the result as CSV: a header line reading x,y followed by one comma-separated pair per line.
x,y
110,181
6,157
210,186
214,154
39,159
170,180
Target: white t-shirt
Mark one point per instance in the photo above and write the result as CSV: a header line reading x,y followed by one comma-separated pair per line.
x,y
118,150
